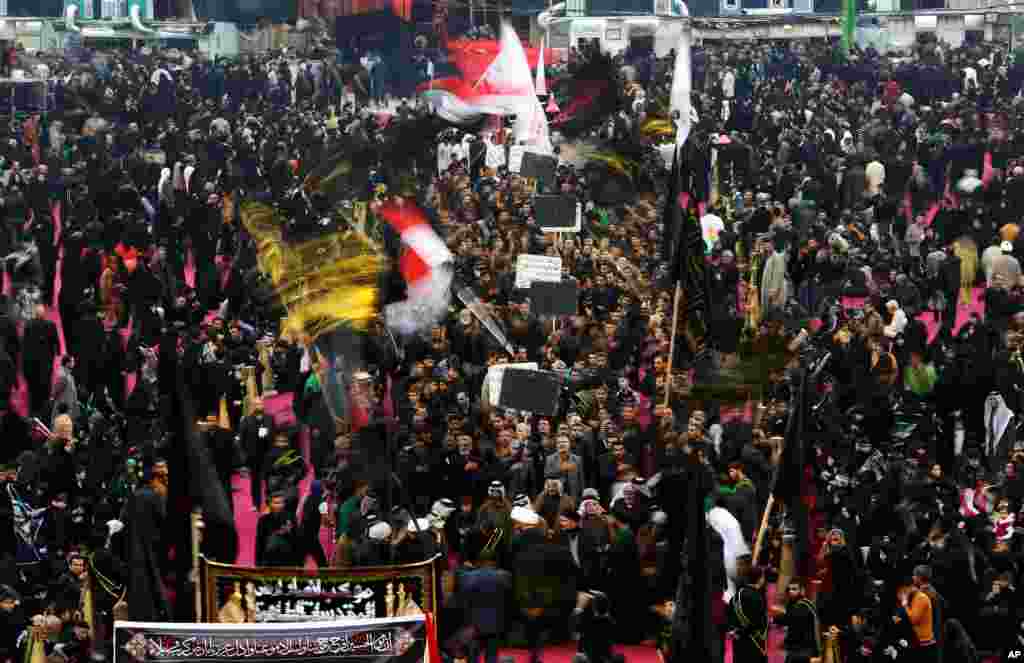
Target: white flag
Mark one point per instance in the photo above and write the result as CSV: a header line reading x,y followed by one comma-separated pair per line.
x,y
542,83
682,81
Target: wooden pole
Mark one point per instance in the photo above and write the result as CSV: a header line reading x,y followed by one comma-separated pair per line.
x,y
252,392
759,541
197,534
672,340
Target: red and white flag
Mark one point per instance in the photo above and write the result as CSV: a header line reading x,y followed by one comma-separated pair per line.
x,y
505,88
426,266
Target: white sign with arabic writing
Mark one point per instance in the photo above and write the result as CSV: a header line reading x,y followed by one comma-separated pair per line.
x,y
142,642
515,158
530,268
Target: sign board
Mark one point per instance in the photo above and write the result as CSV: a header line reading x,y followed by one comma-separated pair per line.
x,y
401,640
541,167
515,158
549,299
281,594
530,268
557,213
536,392
495,378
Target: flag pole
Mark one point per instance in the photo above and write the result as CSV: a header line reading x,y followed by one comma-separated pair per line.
x,y
197,587
672,340
759,541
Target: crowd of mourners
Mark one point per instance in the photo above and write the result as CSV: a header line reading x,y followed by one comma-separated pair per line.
x,y
859,218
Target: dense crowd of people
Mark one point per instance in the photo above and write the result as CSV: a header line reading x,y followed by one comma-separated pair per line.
x,y
892,179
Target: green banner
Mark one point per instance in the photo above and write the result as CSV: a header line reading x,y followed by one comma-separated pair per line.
x,y
849,25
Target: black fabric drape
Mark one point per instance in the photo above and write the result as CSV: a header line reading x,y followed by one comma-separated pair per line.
x,y
690,549
193,480
789,484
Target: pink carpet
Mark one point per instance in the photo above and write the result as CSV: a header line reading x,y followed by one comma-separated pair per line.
x,y
963,311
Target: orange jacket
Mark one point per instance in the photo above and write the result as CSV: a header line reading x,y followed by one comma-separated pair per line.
x,y
920,615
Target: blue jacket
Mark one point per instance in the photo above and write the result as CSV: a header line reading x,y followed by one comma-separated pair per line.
x,y
483,595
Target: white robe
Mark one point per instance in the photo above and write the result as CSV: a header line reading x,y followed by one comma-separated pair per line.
x,y
734,545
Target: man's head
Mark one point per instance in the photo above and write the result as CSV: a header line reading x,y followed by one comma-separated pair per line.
x,y
568,521
63,428
553,486
9,598
160,471
277,502
618,450
795,590
563,445
922,575
76,564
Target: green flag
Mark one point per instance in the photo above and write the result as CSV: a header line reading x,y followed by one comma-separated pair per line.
x,y
849,23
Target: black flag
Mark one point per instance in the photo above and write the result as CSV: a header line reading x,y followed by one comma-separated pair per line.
x,y
192,482
685,248
788,485
692,626
671,220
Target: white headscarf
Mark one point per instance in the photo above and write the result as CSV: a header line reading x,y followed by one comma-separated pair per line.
x,y
158,74
899,320
179,177
165,187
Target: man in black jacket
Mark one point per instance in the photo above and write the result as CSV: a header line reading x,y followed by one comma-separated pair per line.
x,y
949,280
803,635
748,616
278,523
255,433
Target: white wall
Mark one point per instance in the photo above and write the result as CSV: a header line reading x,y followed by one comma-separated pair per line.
x,y
899,32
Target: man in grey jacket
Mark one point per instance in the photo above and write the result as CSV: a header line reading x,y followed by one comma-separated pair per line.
x,y
65,392
567,465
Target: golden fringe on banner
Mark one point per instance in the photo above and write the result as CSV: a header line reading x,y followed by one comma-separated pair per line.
x,y
615,163
657,127
323,283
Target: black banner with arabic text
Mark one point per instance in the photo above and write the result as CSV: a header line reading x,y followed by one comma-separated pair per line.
x,y
398,640
290,595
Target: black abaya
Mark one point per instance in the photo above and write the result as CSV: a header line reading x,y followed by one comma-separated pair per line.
x,y
40,347
145,515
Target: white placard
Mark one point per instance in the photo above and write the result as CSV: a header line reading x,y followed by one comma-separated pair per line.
x,y
530,268
515,158
575,229
495,374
